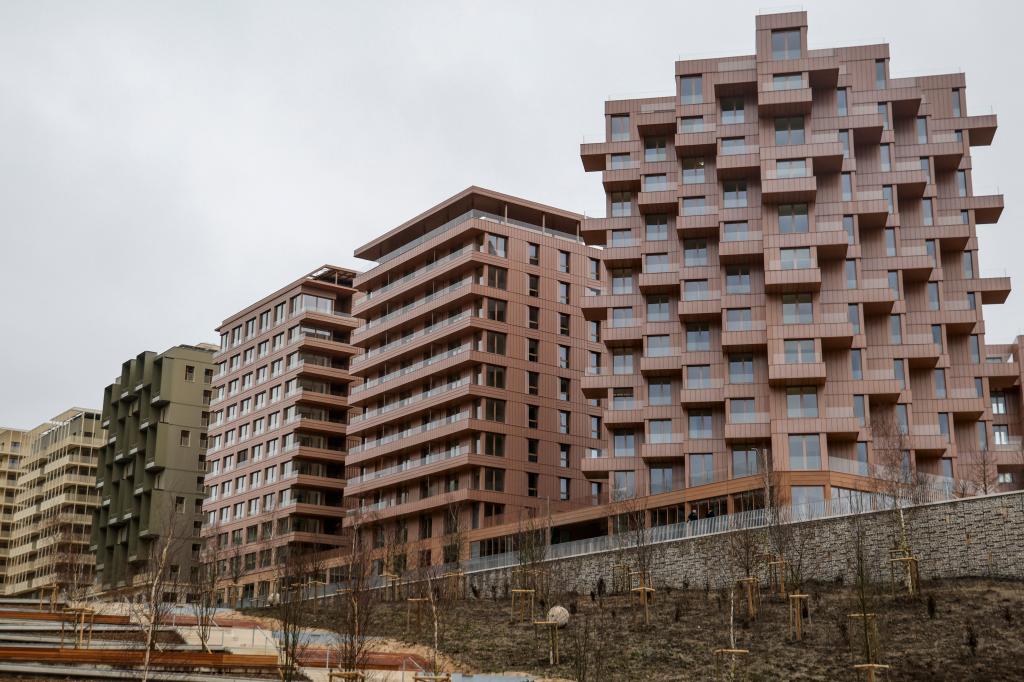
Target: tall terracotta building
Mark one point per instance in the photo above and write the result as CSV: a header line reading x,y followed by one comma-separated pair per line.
x,y
473,349
277,435
791,256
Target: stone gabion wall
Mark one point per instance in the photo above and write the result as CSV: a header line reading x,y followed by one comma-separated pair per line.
x,y
974,537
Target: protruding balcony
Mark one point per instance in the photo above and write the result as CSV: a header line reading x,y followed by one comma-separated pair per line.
x,y
705,305
707,392
987,208
980,129
753,426
788,186
746,247
779,278
785,371
738,161
595,155
781,99
696,139
747,335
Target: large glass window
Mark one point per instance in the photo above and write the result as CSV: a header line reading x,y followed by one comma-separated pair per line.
x,y
799,351
786,44
789,130
797,309
732,110
787,81
691,89
655,149
657,309
744,461
659,391
804,451
801,402
698,337
793,218
700,424
693,171
657,227
620,127
737,279
741,368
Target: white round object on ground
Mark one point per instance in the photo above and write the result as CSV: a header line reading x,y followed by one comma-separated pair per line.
x,y
558,614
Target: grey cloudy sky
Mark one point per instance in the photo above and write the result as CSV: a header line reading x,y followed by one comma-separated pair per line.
x,y
164,164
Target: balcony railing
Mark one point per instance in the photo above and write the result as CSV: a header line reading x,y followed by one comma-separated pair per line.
x,y
370,383
412,338
408,466
437,390
376,322
408,433
379,291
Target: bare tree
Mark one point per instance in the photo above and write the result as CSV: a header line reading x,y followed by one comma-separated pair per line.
x,y
350,616
630,519
778,529
203,591
586,637
159,577
900,485
863,591
531,547
979,473
71,562
745,544
293,615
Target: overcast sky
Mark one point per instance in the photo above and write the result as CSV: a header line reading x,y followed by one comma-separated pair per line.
x,y
164,165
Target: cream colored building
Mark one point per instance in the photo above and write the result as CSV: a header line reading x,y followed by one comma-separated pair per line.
x,y
53,504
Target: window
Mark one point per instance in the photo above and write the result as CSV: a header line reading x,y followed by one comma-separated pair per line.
x,y
736,231
691,89
623,444
622,281
656,262
655,149
657,309
737,279
659,391
563,324
786,44
734,145
661,480
695,252
497,245
622,361
622,204
563,292
496,343
533,383
698,337
693,171
880,74
660,430
694,206
494,376
532,350
563,421
494,410
658,346
494,479
846,186
841,102
620,127
190,373
890,242
894,282
856,365
851,274
701,469
802,402
927,215
185,438
732,110
691,124
622,317
932,289
497,278
563,357
696,290
738,320
741,369
657,182
563,489
735,194
955,100
532,416
937,335
795,259
624,485
787,81
698,376
883,111
967,259
844,141
533,317
1000,433
961,183
494,444
804,452
700,424
939,382
921,127
657,228
741,410
594,268
789,130
496,309
859,410
532,448
998,402
744,461
885,158
895,329
791,168
796,309
799,351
